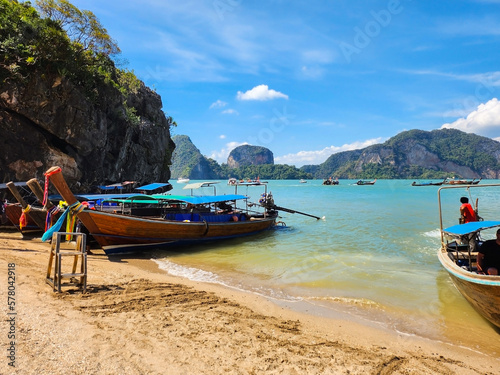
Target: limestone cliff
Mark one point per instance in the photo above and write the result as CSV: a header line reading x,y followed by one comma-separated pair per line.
x,y
50,121
247,155
188,162
63,104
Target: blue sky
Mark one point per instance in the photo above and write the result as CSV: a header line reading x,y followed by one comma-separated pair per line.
x,y
307,79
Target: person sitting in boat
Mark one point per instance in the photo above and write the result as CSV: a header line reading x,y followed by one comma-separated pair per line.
x,y
224,208
467,213
488,256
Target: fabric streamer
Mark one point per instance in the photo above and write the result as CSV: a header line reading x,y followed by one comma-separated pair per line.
x,y
23,220
74,209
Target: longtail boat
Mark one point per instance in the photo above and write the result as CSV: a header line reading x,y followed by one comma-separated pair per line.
x,y
25,217
158,220
458,255
462,182
414,183
363,182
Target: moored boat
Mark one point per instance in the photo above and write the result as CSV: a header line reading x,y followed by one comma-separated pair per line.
x,y
453,181
158,220
362,182
331,181
182,180
459,254
414,183
26,217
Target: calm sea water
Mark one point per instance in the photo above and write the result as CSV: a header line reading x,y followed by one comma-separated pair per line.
x,y
372,257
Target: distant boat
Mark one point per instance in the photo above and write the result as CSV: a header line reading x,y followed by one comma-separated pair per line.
x,y
331,181
181,180
428,183
461,182
361,182
302,181
458,256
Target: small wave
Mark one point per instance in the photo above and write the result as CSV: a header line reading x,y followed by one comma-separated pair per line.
x,y
190,273
436,233
348,301
195,274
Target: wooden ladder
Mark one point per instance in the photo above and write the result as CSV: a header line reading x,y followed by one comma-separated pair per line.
x,y
76,249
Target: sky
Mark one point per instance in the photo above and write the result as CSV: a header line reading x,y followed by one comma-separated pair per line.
x,y
307,79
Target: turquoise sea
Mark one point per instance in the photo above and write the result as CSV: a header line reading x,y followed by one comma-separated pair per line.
x,y
371,258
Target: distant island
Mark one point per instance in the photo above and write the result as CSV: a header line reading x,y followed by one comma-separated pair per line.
x,y
413,154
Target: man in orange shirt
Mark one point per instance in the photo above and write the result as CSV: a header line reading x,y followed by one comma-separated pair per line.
x,y
467,213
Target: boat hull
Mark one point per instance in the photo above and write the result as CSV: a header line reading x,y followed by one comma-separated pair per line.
x,y
481,291
123,233
14,211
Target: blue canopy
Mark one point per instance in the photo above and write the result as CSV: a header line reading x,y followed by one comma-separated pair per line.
x,y
180,198
94,197
472,227
153,186
111,187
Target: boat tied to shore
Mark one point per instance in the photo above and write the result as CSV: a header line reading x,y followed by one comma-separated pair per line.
x,y
157,220
458,255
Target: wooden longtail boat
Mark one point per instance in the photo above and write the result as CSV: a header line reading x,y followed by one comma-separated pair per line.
x,y
34,216
428,183
361,182
159,220
458,256
461,182
13,211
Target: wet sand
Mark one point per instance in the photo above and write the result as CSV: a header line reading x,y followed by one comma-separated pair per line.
x,y
136,319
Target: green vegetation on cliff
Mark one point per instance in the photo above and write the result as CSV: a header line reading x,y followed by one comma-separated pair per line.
x,y
417,154
189,162
68,43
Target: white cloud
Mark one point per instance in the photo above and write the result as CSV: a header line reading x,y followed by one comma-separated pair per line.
x,y
261,92
484,120
317,157
222,136
221,155
230,112
218,104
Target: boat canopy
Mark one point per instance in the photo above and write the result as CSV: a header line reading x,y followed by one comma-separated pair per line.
x,y
471,227
94,197
197,185
152,199
153,186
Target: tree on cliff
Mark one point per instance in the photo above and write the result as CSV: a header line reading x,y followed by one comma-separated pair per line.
x,y
82,26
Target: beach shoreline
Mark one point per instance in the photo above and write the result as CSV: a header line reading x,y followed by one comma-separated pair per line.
x,y
137,319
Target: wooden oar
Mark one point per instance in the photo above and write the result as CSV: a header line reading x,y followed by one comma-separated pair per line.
x,y
294,211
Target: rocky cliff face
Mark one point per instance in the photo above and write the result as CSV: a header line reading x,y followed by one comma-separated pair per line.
x,y
249,155
418,154
188,162
49,121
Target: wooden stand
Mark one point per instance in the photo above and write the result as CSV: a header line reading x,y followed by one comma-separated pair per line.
x,y
76,249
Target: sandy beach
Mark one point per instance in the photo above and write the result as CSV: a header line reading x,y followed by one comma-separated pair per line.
x,y
136,319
